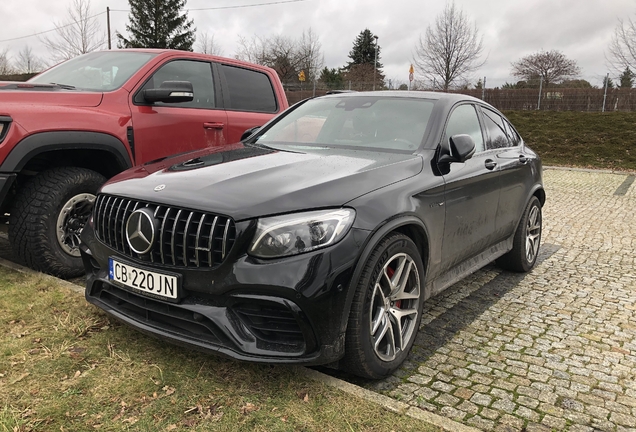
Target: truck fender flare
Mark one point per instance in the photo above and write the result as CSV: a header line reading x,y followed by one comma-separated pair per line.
x,y
43,142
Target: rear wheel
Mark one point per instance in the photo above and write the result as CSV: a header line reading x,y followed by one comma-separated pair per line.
x,y
48,217
525,248
386,310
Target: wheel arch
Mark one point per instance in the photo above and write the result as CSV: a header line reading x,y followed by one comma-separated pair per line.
x,y
408,225
98,151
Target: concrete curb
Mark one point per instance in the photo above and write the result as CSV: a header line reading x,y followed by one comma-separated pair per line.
x,y
388,403
20,268
352,389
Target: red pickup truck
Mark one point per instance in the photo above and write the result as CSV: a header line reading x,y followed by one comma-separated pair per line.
x,y
67,130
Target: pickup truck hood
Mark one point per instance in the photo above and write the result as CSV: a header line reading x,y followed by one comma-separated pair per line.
x,y
45,94
245,181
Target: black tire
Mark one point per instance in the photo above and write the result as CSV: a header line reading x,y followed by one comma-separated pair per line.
x,y
34,216
362,358
525,248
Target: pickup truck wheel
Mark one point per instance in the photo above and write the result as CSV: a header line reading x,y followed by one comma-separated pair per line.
x,y
48,217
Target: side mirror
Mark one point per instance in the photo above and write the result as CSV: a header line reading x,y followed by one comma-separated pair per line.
x,y
462,148
249,132
170,92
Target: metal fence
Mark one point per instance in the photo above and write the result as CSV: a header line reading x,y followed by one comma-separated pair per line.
x,y
550,99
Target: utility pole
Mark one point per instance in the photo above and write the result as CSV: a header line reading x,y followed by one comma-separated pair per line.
x,y
375,62
108,25
605,93
540,90
483,90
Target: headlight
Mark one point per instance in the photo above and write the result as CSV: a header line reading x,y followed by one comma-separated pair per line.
x,y
297,233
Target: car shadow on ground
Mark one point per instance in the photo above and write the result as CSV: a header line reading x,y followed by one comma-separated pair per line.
x,y
437,333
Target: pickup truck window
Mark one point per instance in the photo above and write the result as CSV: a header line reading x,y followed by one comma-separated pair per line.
x,y
249,90
96,71
198,73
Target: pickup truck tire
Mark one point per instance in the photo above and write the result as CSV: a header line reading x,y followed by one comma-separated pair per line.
x,y
47,217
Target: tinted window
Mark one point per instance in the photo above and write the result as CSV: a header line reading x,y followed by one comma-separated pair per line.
x,y
99,71
497,137
463,120
196,72
249,90
512,134
360,121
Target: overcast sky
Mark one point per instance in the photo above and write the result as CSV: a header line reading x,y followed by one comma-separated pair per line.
x,y
581,29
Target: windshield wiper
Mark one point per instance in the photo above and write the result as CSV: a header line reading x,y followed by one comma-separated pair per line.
x,y
64,86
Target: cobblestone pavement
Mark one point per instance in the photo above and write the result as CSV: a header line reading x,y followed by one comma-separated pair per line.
x,y
554,349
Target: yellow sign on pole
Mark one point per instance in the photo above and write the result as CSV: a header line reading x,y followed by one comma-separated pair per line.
x,y
301,76
411,70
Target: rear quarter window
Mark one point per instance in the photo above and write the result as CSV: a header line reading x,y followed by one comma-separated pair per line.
x,y
249,90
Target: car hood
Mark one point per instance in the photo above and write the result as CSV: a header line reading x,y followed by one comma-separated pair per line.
x,y
245,181
45,94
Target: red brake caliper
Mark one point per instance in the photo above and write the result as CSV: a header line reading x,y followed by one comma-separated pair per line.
x,y
390,272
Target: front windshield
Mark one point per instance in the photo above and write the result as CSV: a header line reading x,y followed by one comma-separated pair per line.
x,y
391,123
98,71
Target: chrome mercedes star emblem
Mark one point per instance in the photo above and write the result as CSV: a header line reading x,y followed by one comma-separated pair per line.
x,y
160,187
140,231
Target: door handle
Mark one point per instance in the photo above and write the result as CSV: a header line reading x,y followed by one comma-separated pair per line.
x,y
523,159
213,125
490,164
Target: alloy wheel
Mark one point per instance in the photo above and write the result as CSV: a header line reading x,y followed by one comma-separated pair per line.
x,y
71,220
394,306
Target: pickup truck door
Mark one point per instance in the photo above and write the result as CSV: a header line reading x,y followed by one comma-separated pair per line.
x,y
162,129
248,97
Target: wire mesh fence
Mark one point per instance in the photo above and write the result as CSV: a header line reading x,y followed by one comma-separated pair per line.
x,y
550,99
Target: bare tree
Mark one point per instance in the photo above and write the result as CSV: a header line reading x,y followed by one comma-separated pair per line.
x,y
252,50
450,50
284,54
206,45
622,49
79,34
310,53
27,62
6,68
553,66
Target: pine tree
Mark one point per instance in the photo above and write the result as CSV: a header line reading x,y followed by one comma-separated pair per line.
x,y
158,24
626,78
361,68
363,51
608,81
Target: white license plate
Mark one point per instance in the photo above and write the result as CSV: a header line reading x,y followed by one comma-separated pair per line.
x,y
159,284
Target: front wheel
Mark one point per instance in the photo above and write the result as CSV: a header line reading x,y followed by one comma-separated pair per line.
x,y
525,247
386,310
48,217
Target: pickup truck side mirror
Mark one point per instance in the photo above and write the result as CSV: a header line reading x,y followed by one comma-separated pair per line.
x,y
170,92
460,148
249,132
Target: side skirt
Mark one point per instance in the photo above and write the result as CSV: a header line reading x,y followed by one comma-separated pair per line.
x,y
469,266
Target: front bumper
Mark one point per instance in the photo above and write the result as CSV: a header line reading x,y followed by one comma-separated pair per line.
x,y
292,310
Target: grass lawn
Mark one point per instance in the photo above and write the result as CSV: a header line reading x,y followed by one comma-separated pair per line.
x,y
65,366
580,139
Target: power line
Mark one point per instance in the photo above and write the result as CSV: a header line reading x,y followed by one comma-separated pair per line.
x,y
187,10
247,6
49,31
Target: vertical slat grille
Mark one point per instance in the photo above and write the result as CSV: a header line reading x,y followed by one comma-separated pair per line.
x,y
184,239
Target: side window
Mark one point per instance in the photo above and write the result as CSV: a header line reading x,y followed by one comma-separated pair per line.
x,y
515,139
463,120
249,90
497,137
197,72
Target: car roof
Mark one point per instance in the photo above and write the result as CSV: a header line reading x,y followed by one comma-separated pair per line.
x,y
450,97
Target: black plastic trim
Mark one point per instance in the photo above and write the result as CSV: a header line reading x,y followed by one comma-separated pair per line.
x,y
35,144
6,181
7,120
